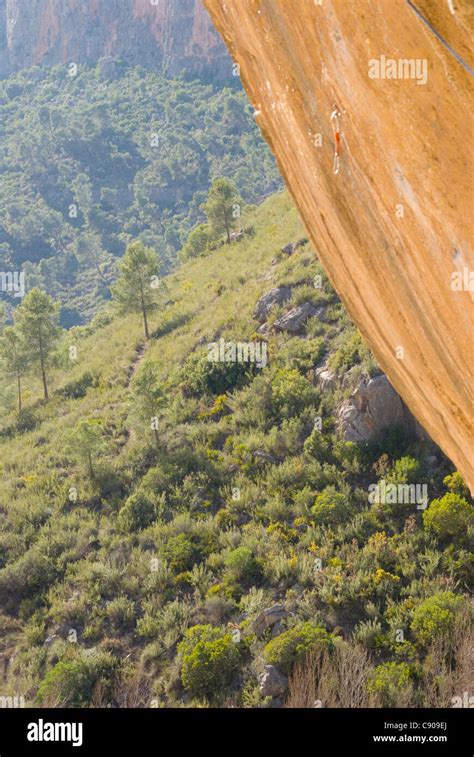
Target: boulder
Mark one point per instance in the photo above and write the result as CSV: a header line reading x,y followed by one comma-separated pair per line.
x,y
294,320
271,682
371,408
289,249
268,618
276,296
326,378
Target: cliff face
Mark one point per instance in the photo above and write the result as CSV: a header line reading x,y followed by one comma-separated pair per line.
x,y
392,226
175,36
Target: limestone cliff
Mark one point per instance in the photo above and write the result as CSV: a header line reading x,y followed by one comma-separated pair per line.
x,y
175,37
393,225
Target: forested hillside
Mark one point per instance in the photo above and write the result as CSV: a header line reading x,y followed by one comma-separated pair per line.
x,y
92,158
181,528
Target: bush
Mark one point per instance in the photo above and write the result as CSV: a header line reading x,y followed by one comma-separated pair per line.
x,y
455,483
294,645
406,470
242,565
435,616
121,612
210,660
78,388
318,445
26,578
291,392
71,683
181,553
449,516
330,507
202,376
137,513
391,682
197,242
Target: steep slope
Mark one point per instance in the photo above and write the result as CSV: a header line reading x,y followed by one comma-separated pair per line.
x,y
242,525
175,37
392,227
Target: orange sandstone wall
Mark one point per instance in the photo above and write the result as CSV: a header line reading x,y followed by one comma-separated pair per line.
x,y
395,223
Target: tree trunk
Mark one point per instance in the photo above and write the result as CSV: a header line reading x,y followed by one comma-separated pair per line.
x,y
43,372
145,320
18,378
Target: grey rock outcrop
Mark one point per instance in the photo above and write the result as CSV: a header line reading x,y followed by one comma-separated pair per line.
x,y
289,249
326,378
271,682
294,320
372,407
269,300
269,617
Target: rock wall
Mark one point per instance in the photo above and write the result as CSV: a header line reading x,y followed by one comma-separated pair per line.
x,y
174,37
393,225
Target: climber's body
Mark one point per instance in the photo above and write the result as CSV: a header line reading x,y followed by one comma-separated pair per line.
x,y
337,137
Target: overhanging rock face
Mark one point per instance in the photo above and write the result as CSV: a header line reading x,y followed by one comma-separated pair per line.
x,y
392,226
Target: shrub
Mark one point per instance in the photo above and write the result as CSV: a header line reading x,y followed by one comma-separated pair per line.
x,y
71,683
391,682
455,483
197,242
449,516
137,513
291,391
202,376
181,553
435,616
26,578
404,471
294,645
330,507
210,660
318,445
78,388
121,612
242,565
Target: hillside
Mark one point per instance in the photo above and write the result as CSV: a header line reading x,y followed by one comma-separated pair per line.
x,y
219,526
113,153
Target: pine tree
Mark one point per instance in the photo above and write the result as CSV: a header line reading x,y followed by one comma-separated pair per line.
x,y
86,442
221,205
36,321
136,289
14,358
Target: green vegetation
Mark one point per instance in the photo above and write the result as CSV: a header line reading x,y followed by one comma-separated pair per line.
x,y
91,163
158,503
36,321
294,645
210,660
135,290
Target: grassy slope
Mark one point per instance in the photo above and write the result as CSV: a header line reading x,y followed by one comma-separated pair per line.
x,y
69,562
